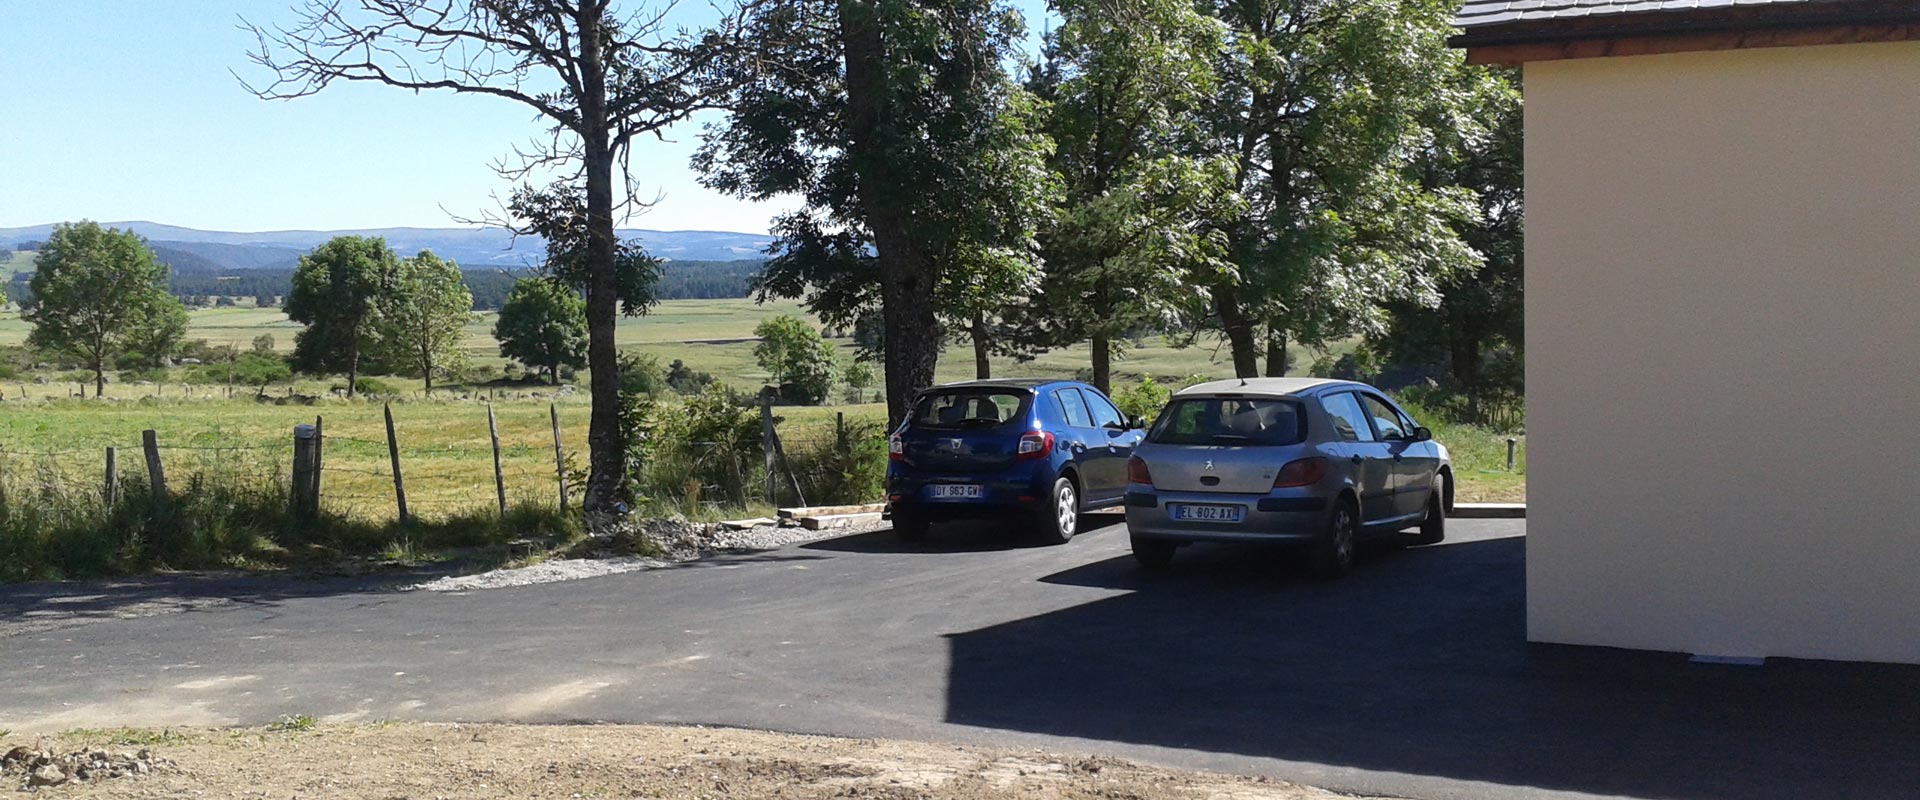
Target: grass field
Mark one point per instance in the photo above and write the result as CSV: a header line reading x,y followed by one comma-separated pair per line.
x,y
447,460
12,262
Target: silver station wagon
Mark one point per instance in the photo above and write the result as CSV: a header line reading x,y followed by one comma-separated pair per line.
x,y
1304,461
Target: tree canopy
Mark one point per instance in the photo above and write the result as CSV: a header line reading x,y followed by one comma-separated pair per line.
x,y
544,326
1324,105
600,77
335,294
916,155
423,317
98,293
798,361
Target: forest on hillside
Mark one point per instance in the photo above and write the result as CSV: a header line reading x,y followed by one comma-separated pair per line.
x,y
203,284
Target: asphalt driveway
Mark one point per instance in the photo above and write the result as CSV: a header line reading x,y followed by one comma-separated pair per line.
x,y
1410,677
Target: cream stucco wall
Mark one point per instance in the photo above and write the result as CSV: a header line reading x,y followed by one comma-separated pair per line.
x,y
1723,352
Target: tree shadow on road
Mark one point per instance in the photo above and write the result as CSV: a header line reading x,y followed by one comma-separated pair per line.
x,y
48,605
960,536
1418,663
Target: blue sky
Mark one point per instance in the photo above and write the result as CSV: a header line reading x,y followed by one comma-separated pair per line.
x,y
126,110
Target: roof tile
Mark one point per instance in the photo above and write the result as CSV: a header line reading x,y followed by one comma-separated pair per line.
x,y
1477,13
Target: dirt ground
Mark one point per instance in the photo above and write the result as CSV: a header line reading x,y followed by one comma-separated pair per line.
x,y
412,760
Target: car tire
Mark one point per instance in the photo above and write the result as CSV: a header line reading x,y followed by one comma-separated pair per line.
x,y
1155,554
910,527
1332,556
1433,527
1061,520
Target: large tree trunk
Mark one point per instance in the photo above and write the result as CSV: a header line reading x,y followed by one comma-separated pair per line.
x,y
907,276
353,368
99,380
1276,354
1239,331
1464,357
1102,363
982,368
606,463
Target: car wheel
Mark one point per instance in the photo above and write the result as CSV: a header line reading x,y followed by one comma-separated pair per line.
x,y
1433,527
1153,553
1062,519
1332,556
910,527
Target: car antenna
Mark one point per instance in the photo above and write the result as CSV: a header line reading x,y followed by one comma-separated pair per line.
x,y
1243,380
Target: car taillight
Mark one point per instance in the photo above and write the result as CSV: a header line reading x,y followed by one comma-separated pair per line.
x,y
1034,444
896,448
1304,472
1137,471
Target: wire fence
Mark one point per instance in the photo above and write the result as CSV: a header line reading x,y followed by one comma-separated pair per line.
x,y
321,472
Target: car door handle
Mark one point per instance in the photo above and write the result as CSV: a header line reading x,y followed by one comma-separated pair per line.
x,y
1078,447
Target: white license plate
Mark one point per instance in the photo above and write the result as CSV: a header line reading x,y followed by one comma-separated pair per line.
x,y
955,491
1187,512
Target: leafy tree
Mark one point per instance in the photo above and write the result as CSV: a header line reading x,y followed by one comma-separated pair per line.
x,y
1479,314
1322,105
1136,217
263,343
422,317
641,374
687,380
801,363
543,325
914,153
259,369
335,294
155,341
859,377
600,76
96,293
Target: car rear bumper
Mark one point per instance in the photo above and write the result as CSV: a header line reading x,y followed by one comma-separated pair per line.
x,y
1274,517
1000,493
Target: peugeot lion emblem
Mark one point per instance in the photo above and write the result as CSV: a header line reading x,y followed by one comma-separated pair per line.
x,y
1209,465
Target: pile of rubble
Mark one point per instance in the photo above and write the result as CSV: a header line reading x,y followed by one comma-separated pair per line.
x,y
35,768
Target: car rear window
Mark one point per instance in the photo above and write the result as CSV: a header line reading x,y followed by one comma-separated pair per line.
x,y
1255,421
969,408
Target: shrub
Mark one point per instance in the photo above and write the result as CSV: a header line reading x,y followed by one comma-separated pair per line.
x,y
711,440
687,380
367,386
641,373
1143,399
850,466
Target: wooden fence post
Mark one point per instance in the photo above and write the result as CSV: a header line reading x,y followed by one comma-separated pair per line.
x,y
766,444
110,487
301,483
499,480
393,456
319,448
559,456
156,475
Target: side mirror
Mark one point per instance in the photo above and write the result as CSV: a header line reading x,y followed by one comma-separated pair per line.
x,y
1135,423
1421,434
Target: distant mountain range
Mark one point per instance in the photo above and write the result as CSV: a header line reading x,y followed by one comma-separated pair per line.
x,y
473,248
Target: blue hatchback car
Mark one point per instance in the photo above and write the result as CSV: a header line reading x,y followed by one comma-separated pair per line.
x,y
1041,451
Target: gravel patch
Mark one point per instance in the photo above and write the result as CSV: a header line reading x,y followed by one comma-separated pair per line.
x,y
677,541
